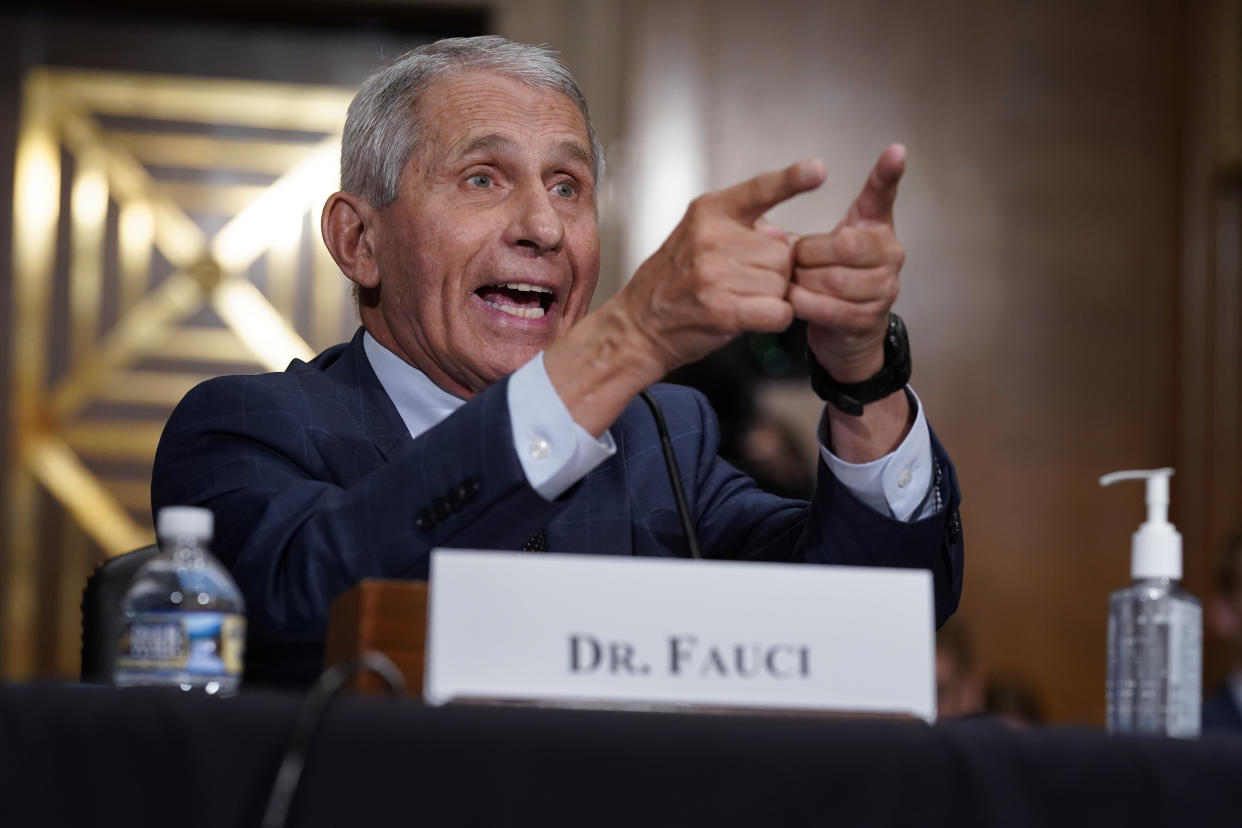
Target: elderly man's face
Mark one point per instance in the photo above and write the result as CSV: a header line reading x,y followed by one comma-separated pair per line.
x,y
491,249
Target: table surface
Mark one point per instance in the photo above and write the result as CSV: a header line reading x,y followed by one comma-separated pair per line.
x,y
75,754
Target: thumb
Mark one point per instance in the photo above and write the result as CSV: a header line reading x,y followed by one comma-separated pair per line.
x,y
748,201
875,202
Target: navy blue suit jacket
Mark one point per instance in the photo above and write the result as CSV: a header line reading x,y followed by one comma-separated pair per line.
x,y
316,484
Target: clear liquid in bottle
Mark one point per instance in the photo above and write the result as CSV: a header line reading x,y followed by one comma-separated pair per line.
x,y
1155,646
185,623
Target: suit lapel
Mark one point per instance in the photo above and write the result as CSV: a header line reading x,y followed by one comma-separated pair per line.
x,y
362,392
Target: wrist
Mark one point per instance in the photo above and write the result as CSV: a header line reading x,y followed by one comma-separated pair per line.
x,y
628,345
854,368
847,357
598,367
851,395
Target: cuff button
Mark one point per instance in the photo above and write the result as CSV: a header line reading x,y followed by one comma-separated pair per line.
x,y
540,448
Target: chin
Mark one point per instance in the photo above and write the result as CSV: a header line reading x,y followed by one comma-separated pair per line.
x,y
514,359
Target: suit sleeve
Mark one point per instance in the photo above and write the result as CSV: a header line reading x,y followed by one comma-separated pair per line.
x,y
306,506
737,520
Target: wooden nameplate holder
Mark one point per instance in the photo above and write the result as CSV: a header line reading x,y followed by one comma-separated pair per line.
x,y
385,615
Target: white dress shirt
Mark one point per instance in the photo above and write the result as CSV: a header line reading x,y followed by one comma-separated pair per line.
x,y
556,452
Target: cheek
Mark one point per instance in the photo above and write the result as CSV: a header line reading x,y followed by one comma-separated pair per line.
x,y
455,248
429,263
586,264
584,289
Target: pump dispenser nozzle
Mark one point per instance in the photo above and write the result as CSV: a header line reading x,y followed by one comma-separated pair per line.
x,y
1156,550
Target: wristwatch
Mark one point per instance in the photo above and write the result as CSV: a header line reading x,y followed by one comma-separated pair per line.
x,y
850,397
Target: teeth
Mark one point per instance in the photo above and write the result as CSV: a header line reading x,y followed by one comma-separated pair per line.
x,y
524,313
522,286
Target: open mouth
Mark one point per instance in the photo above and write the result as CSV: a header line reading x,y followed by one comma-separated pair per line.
x,y
519,299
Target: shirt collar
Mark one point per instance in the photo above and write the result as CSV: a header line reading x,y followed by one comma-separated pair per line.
x,y
421,403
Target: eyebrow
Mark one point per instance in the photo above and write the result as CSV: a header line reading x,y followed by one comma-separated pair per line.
x,y
495,141
492,141
577,152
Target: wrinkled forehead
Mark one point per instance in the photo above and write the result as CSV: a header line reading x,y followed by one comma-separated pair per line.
x,y
472,108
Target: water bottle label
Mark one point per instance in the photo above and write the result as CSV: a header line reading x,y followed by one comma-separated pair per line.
x,y
183,643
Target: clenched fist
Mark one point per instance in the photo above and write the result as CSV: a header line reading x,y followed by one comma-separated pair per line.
x,y
846,280
720,273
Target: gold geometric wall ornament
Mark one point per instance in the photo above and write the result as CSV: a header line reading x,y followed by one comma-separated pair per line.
x,y
165,230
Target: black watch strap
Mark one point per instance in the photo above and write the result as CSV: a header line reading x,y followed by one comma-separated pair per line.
x,y
850,397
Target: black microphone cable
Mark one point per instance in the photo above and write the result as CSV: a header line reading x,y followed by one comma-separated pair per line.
x,y
674,475
309,716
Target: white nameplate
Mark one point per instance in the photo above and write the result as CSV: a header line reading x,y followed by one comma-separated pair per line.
x,y
658,631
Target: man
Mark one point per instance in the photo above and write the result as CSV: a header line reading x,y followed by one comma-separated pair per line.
x,y
482,406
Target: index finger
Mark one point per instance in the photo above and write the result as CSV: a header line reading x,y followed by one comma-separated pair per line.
x,y
748,201
875,202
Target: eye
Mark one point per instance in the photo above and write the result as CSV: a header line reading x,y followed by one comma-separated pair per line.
x,y
480,180
564,189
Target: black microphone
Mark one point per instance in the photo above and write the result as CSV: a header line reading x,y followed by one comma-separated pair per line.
x,y
674,475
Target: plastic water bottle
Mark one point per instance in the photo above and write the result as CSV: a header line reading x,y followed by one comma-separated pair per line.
x,y
1155,629
185,623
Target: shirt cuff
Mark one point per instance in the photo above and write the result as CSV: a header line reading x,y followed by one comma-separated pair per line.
x,y
896,484
555,451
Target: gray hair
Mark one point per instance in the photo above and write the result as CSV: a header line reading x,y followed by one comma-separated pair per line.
x,y
383,127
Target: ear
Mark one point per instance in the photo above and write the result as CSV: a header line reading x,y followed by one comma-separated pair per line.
x,y
348,225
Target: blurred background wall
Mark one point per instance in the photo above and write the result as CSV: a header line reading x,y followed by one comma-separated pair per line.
x,y
1072,216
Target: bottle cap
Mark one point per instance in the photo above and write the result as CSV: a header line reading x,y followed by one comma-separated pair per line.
x,y
1156,549
184,521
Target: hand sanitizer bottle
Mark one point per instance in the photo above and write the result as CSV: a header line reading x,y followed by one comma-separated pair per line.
x,y
1155,628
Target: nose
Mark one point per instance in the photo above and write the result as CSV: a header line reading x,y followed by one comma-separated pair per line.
x,y
535,223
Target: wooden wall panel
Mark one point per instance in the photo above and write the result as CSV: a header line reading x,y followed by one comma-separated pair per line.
x,y
1210,381
1041,219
